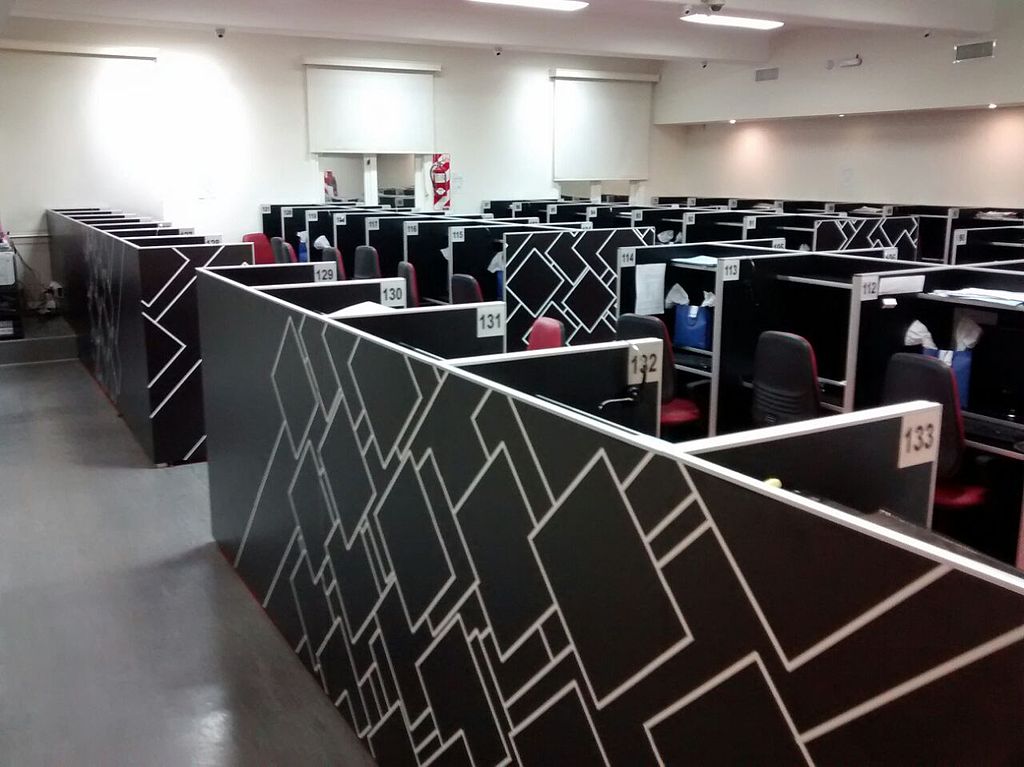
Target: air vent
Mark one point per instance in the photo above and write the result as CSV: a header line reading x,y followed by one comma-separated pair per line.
x,y
985,50
764,75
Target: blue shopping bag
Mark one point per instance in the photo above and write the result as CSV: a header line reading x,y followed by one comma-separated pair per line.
x,y
694,326
961,364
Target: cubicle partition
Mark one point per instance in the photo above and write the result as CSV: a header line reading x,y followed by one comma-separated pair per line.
x,y
132,305
427,246
569,276
476,575
333,297
477,251
977,246
900,232
387,235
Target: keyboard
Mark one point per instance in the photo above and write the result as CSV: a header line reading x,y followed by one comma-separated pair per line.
x,y
992,431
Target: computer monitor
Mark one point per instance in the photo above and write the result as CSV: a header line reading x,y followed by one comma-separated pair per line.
x,y
997,374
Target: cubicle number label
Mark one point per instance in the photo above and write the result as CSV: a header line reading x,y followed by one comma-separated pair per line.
x,y
627,257
778,244
517,207
869,288
691,202
749,222
919,439
372,224
412,227
340,219
392,295
887,210
212,240
458,234
325,271
691,219
591,212
264,209
286,212
311,215
643,367
637,216
730,269
552,210
490,322
488,216
733,204
587,225
890,254
188,231
960,237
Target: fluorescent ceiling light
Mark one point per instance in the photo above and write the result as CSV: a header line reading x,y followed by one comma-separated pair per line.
x,y
732,21
993,106
547,5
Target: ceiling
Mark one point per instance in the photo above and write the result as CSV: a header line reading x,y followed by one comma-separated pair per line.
x,y
647,29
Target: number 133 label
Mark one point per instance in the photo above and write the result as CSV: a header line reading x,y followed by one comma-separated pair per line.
x,y
919,439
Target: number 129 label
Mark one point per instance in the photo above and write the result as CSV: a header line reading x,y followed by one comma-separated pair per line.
x,y
325,271
919,439
490,322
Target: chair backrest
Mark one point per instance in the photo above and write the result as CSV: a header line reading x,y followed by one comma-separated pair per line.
x,y
277,247
412,289
289,253
466,290
366,263
332,254
263,253
546,333
631,327
785,380
910,377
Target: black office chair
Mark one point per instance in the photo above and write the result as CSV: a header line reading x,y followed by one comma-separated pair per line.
x,y
277,246
412,289
329,254
675,411
366,263
911,377
466,290
785,380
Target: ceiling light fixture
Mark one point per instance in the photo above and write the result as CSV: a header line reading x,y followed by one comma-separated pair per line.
x,y
546,5
993,106
842,115
732,122
732,21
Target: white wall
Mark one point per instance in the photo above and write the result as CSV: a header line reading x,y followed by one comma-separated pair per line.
x,y
233,121
956,158
902,70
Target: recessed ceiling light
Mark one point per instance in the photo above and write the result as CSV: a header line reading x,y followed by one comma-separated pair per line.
x,y
993,106
732,122
547,5
732,21
842,115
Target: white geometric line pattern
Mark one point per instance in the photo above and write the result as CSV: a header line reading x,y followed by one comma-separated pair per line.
x,y
475,592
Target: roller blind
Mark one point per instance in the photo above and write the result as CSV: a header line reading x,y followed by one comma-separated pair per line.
x,y
602,129
370,112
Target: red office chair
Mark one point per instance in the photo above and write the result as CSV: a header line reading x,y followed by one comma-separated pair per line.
x,y
675,411
466,290
412,289
911,377
786,386
332,254
262,252
546,333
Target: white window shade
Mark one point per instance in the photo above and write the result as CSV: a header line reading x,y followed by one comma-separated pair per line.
x,y
602,129
363,111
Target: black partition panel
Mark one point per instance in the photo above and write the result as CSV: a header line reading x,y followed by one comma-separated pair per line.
x,y
270,217
448,332
977,246
166,231
900,232
134,312
270,274
588,380
569,276
425,244
387,235
173,241
466,569
477,250
350,233
329,297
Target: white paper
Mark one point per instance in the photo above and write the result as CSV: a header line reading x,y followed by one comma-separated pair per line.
x,y
358,310
650,289
696,261
891,286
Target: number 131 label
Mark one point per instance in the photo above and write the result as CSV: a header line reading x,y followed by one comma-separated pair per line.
x,y
490,322
919,439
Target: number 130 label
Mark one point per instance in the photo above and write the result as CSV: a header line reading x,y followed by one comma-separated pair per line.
x,y
490,322
919,439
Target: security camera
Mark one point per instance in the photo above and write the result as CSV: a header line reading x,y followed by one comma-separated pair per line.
x,y
704,65
927,34
498,50
220,32
689,10
713,6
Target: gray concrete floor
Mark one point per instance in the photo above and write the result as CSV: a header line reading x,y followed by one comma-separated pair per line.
x,y
125,638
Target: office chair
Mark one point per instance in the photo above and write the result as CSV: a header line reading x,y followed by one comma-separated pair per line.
x,y
277,247
546,333
332,254
412,289
910,377
289,253
466,290
785,380
263,253
675,411
366,264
